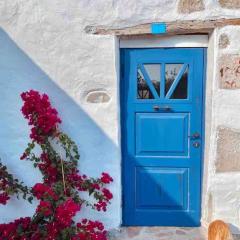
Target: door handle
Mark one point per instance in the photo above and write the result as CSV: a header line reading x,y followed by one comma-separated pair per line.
x,y
195,135
163,108
156,108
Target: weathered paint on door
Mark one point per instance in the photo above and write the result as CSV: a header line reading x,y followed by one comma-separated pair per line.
x,y
162,135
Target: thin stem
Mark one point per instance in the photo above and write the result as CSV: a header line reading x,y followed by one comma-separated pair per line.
x,y
63,175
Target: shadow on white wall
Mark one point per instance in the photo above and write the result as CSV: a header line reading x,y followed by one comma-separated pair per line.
x,y
99,153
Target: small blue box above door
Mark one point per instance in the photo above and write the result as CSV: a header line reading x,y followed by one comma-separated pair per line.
x,y
158,28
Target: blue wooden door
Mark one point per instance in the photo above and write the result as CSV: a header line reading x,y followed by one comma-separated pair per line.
x,y
162,135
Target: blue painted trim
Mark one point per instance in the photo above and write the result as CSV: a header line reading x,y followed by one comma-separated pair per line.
x,y
158,28
124,72
162,83
203,116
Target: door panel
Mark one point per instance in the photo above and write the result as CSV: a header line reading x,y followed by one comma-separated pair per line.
x,y
158,194
162,134
161,121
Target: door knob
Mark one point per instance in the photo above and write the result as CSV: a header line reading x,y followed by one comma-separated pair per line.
x,y
195,135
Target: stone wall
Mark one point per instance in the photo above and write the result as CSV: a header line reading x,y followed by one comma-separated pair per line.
x,y
224,172
43,46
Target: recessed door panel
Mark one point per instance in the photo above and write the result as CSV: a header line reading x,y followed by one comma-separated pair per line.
x,y
161,188
162,134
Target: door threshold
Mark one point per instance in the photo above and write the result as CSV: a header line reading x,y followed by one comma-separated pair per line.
x,y
161,233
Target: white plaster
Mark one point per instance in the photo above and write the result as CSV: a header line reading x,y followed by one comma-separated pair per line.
x,y
209,138
43,46
162,41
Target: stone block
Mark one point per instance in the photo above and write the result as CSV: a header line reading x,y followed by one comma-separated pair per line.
x,y
133,231
229,71
228,150
223,41
97,96
230,3
189,6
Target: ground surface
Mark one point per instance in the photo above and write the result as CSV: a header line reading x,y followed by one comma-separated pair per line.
x,y
159,233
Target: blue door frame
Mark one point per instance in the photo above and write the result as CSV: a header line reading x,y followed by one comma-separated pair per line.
x,y
162,129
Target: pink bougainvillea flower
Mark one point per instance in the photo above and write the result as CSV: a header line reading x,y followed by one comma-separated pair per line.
x,y
4,198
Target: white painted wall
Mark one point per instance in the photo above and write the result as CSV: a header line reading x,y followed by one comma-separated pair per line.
x,y
43,46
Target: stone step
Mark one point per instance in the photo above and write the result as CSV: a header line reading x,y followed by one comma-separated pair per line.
x,y
159,233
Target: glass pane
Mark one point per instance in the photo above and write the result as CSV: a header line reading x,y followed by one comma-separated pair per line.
x,y
143,91
154,73
180,91
171,72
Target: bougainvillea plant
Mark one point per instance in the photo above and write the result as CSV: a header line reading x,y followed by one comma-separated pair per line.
x,y
11,186
59,194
